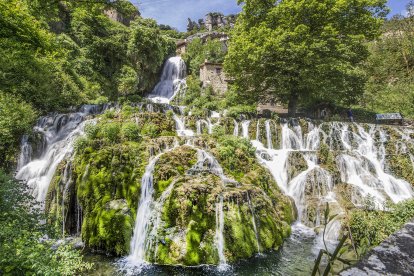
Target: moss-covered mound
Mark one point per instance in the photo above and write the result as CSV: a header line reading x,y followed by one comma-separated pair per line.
x,y
256,214
102,185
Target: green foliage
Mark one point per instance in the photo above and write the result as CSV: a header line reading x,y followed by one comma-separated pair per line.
x,y
371,227
197,52
16,119
111,132
238,110
236,154
130,132
390,69
127,81
147,49
58,54
199,99
307,50
150,130
107,179
21,250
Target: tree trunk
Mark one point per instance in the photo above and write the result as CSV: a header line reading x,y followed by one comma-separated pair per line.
x,y
293,104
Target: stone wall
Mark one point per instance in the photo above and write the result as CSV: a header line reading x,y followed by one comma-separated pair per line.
x,y
213,74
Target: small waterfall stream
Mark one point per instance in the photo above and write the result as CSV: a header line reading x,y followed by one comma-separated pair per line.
x,y
245,129
269,135
172,81
59,133
137,251
219,237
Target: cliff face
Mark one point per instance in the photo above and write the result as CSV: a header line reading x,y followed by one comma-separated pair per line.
x,y
122,11
218,20
212,21
120,17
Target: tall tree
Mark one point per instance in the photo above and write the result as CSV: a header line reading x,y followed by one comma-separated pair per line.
x,y
308,50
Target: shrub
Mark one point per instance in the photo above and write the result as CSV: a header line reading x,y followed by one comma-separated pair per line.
x,y
109,114
371,227
130,132
150,130
81,143
21,251
111,132
91,130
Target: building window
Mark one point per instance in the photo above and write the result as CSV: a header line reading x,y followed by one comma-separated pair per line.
x,y
218,71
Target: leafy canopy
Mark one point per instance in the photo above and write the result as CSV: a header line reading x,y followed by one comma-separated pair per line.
x,y
302,49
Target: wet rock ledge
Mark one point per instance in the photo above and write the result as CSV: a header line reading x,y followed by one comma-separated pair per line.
x,y
395,256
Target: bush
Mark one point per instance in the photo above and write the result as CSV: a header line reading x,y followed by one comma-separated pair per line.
x,y
241,110
21,251
111,132
371,227
81,143
91,130
16,119
150,130
110,114
130,132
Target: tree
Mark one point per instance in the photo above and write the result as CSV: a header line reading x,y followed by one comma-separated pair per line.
x,y
390,68
308,50
16,119
198,51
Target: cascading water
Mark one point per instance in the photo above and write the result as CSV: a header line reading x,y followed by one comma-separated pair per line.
x,y
59,133
138,242
268,135
219,237
236,128
172,81
207,162
181,130
26,153
361,163
245,129
360,158
67,181
254,223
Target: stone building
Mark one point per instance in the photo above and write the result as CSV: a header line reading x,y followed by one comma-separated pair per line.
x,y
212,74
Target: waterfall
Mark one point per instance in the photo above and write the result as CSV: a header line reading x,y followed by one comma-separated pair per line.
x,y
236,128
215,114
26,153
172,80
59,133
268,135
207,162
137,251
156,219
181,130
245,129
254,222
219,237
67,181
198,125
360,160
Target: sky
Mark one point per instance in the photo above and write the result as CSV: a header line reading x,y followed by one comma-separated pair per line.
x,y
176,12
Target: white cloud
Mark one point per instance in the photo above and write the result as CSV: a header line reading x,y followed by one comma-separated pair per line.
x,y
175,12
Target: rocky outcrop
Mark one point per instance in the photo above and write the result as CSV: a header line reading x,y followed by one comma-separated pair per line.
x,y
395,256
212,21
